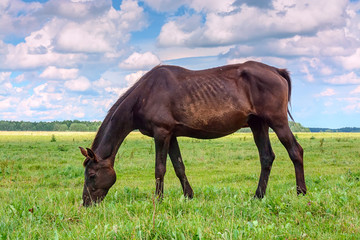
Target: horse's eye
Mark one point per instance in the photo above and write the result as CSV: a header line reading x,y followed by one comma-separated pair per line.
x,y
92,176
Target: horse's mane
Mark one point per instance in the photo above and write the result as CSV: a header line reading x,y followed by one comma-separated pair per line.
x,y
113,109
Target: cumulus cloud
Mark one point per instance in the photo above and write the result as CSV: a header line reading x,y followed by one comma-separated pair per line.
x,y
349,78
223,6
104,33
102,83
352,61
305,17
133,77
352,104
278,62
5,104
137,61
16,17
327,93
164,5
39,103
6,86
202,6
66,39
53,72
75,10
80,84
115,90
37,51
356,90
4,76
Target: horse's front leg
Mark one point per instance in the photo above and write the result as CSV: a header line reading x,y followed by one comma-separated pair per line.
x,y
162,142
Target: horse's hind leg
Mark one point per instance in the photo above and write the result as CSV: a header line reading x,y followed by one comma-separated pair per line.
x,y
295,152
261,136
175,156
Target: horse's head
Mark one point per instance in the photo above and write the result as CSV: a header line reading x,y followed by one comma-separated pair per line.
x,y
99,177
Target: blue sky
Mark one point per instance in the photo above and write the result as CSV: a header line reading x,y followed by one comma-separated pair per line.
x,y
71,59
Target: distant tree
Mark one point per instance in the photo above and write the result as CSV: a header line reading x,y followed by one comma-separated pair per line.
x,y
297,127
61,127
9,125
94,126
78,127
27,126
5,126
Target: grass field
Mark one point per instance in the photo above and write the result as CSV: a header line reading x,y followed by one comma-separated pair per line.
x,y
41,180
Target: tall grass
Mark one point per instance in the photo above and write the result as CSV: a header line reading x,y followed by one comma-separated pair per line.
x,y
41,183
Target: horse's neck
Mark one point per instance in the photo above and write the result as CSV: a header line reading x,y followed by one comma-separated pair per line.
x,y
112,133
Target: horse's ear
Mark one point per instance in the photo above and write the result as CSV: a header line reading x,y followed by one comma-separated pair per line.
x,y
91,155
83,152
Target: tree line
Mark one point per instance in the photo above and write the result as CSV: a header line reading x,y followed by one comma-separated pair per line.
x,y
294,126
87,126
60,126
345,129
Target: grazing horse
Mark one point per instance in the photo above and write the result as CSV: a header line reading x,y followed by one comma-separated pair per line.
x,y
170,101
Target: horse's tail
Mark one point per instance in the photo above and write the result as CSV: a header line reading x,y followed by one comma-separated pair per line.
x,y
285,74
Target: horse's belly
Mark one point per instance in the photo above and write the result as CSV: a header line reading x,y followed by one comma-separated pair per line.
x,y
212,123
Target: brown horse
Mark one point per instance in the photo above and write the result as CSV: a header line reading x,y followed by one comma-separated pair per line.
x,y
171,101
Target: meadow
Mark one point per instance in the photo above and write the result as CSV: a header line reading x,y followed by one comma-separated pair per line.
x,y
41,180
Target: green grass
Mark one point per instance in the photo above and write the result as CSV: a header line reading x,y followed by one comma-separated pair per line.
x,y
41,180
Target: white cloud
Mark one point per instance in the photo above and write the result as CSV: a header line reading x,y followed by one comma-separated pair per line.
x,y
275,61
327,93
239,26
356,90
79,114
53,72
350,78
6,86
116,91
140,61
355,107
40,88
352,61
20,78
75,10
224,6
133,77
39,102
352,104
64,40
5,104
101,83
171,53
164,5
104,33
36,52
326,70
80,84
16,17
181,32
242,60
309,76
4,76
325,43
76,37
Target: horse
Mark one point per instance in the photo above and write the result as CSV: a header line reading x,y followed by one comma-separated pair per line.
x,y
171,101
